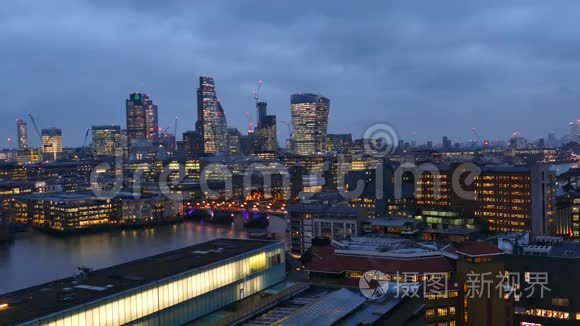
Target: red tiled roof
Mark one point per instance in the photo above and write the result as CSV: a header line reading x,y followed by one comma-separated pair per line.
x,y
478,249
325,260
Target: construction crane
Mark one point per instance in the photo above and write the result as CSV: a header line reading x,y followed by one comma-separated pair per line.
x,y
42,144
257,91
85,141
476,134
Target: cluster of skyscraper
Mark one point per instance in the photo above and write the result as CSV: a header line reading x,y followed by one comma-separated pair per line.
x,y
309,124
143,138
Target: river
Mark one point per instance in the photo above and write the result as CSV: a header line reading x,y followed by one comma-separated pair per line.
x,y
34,257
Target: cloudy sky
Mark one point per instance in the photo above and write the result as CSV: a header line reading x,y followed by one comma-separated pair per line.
x,y
430,68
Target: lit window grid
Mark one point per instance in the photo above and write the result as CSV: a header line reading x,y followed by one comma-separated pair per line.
x,y
250,273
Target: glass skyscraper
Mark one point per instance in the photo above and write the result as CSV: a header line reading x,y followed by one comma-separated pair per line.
x,y
22,134
211,119
310,123
142,119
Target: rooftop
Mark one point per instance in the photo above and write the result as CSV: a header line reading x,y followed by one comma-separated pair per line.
x,y
58,196
397,221
45,299
328,310
328,211
326,260
474,249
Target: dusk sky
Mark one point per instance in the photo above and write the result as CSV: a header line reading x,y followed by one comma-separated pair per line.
x,y
430,68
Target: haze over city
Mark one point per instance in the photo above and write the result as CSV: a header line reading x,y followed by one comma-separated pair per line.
x,y
428,69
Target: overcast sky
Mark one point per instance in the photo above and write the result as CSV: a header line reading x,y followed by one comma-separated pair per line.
x,y
430,68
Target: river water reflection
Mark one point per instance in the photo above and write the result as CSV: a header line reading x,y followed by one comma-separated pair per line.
x,y
35,257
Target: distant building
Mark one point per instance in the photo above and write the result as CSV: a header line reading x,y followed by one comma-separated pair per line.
x,y
211,119
310,123
28,156
370,191
142,125
22,132
192,144
143,209
142,118
63,212
106,140
247,144
518,142
339,143
441,208
234,141
265,138
52,143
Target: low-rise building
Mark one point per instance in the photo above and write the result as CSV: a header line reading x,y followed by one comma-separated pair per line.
x,y
309,221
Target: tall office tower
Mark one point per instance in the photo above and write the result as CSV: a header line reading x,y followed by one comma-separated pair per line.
x,y
310,123
142,119
22,132
211,119
234,141
106,140
142,127
52,143
265,134
262,108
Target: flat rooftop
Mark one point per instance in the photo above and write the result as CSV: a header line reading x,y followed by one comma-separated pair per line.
x,y
41,300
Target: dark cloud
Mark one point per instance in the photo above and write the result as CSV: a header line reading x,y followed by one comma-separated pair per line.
x,y
430,68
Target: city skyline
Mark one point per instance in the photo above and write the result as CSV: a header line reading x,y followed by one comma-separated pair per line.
x,y
477,78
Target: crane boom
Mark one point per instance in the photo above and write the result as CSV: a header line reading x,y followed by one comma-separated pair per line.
x,y
37,132
477,137
85,140
257,92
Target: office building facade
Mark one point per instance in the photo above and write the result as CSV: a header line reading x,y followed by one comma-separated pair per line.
x,y
516,199
265,134
52,143
310,123
106,140
142,119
